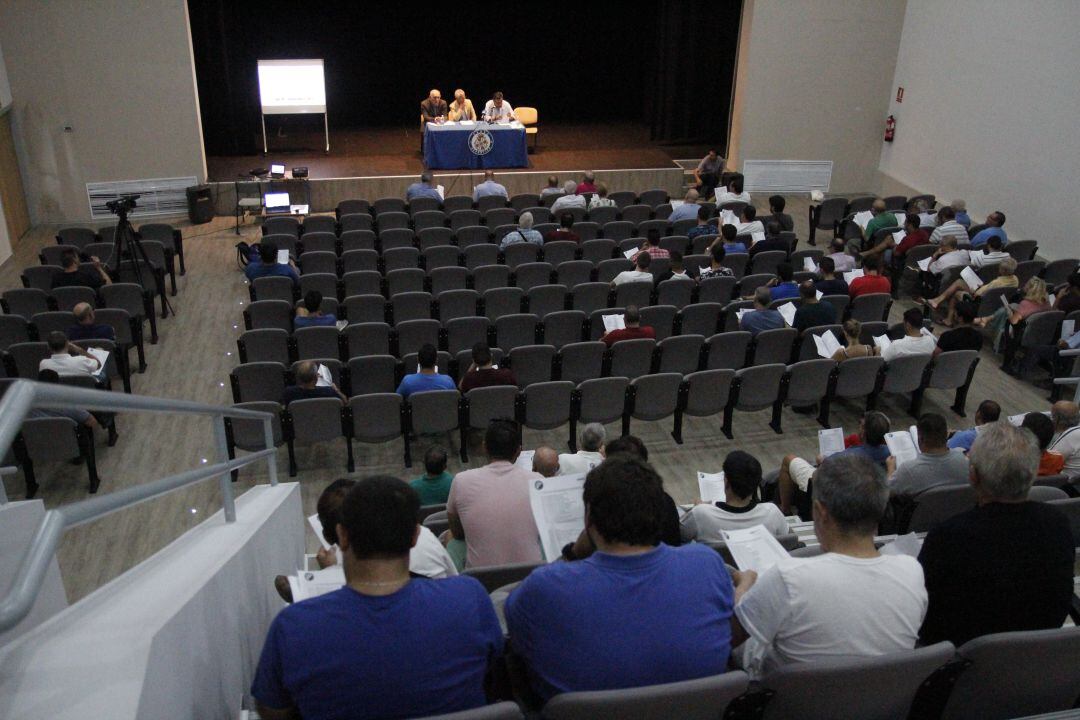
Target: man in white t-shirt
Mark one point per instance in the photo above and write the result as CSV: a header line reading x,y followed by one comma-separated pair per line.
x,y
851,601
914,342
68,359
640,273
498,110
948,255
1066,417
739,510
589,456
568,200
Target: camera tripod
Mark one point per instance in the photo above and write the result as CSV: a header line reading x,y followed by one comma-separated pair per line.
x,y
127,244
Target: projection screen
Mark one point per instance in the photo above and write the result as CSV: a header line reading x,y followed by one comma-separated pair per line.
x,y
289,87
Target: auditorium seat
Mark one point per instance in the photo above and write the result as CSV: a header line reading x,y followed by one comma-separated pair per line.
x,y
358,240
454,203
324,283
464,332
25,302
250,435
603,214
257,381
264,345
311,421
699,699
348,207
519,254
440,256
581,361
547,405
545,299
598,399
731,314
431,412
617,229
954,369
500,301
653,397
767,262
52,440
80,237
404,277
287,225
1057,272
355,222
385,205
456,303
498,215
480,406
316,342
516,330
531,363
523,201
317,261
320,242
680,353
431,237
413,334
564,327
483,254
443,279
427,218
314,224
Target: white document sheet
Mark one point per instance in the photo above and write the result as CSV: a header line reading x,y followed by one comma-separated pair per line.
x,y
313,520
1005,304
614,322
631,253
283,257
1051,298
558,510
741,312
341,324
1068,328
313,583
968,275
863,219
830,441
442,192
882,341
101,355
787,310
727,217
827,344
325,378
852,274
711,487
924,264
808,264
819,294
754,548
902,446
524,460
910,544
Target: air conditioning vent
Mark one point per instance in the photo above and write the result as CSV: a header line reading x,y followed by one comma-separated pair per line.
x,y
787,175
161,196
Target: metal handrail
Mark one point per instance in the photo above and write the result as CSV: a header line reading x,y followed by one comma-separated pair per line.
x,y
24,395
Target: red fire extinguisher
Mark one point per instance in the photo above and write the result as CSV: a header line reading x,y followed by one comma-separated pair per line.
x,y
890,128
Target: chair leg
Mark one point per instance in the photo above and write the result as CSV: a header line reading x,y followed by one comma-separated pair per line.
x,y
124,364
823,416
777,412
292,459
91,461
676,431
350,465
916,403
407,451
464,449
179,243
141,350
729,412
625,424
30,479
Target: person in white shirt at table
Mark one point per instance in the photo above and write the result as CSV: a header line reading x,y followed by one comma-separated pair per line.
x,y
851,601
640,273
498,110
739,509
914,342
488,187
589,456
70,360
568,199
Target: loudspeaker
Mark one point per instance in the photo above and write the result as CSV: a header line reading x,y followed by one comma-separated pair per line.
x,y
200,204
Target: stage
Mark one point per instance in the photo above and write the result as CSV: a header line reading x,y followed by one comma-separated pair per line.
x,y
381,162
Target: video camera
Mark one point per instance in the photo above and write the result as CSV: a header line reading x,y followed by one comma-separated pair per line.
x,y
122,204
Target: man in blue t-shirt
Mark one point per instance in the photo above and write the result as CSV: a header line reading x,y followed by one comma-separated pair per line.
x,y
995,222
427,376
636,612
309,314
385,645
265,264
424,188
785,288
987,412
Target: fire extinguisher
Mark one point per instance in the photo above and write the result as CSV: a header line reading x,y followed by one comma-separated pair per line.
x,y
890,128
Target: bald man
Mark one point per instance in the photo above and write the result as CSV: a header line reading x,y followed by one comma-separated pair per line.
x,y
882,219
546,461
85,327
1066,417
433,109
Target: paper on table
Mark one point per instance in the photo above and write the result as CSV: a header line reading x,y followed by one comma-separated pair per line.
x,y
826,344
924,264
830,441
559,511
283,257
788,311
973,281
852,274
809,264
863,219
631,253
102,356
711,487
313,583
468,123
524,459
754,548
316,525
901,446
325,378
614,322
909,544
882,341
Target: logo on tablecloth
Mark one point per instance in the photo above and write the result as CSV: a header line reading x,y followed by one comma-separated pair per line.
x,y
481,142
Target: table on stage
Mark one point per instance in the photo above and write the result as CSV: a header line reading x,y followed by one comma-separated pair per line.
x,y
474,145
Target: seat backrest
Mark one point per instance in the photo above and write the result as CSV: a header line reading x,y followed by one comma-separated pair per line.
x,y
656,396
257,381
759,386
602,399
273,287
547,404
489,403
457,304
871,307
434,411
413,334
313,343
1041,328
905,374
581,361
727,350
700,699
531,274
632,358
661,318
502,301
489,276
774,346
270,313
13,329
411,306
564,327
546,299
404,279
767,262
591,296
560,251
50,439
464,332
678,293
249,434
316,419
952,369
515,330
359,261
938,504
376,416
445,279
708,391
809,379
26,302
56,321
858,376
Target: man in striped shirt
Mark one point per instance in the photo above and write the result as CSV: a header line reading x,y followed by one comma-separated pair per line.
x,y
947,226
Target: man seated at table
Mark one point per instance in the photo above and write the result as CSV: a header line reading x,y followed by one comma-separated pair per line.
x,y
433,108
461,108
425,188
489,187
569,199
498,110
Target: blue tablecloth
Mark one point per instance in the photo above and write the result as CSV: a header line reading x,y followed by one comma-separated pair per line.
x,y
461,147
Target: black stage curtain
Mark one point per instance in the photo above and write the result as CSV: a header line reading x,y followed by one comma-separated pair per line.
x,y
693,71
581,63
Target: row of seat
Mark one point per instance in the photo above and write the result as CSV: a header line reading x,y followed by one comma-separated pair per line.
x,y
829,214
14,330
160,259
170,239
624,198
29,301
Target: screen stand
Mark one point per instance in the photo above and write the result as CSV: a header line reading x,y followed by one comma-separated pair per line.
x,y
326,129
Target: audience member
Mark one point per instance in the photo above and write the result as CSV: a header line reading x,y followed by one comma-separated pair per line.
x,y
995,222
497,109
593,624
85,328
425,188
564,231
812,312
80,416
640,273
960,208
427,375
1068,295
265,264
1005,565
717,253
553,186
489,506
750,224
729,237
545,461
761,317
1034,299
587,184
688,210
987,412
433,487
881,218
842,261
70,360
991,254
703,227
523,233
948,255
777,203
489,187
921,208
850,602
734,191
669,524
333,656
872,280
916,340
1066,442
651,245
461,108
853,345
935,465
633,329
600,199
483,372
894,253
773,241
589,456
830,283
676,269
707,173
72,275
948,227
963,336
740,509
310,314
307,385
1042,427
569,200
784,288
960,291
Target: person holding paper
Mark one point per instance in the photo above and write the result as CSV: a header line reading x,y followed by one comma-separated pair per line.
x,y
751,229
830,283
640,273
850,602
995,223
433,108
589,456
961,290
597,623
267,265
739,509
881,218
69,360
386,644
854,346
310,314
461,108
812,312
935,465
427,376
523,233
734,192
914,342
497,110
564,231
688,210
489,187
783,287
425,188
433,487
651,245
1006,564
872,281
85,328
307,386
600,199
569,200
1034,299
761,317
1066,417
894,252
633,329
947,227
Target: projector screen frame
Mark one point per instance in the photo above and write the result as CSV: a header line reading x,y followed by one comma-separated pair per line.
x,y
291,111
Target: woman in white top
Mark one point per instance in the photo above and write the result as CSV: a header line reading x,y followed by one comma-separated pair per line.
x,y
705,522
734,191
600,199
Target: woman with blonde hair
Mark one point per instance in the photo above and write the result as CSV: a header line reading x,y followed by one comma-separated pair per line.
x,y
854,348
600,199
1034,298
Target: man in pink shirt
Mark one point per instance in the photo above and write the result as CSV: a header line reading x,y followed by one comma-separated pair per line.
x,y
489,507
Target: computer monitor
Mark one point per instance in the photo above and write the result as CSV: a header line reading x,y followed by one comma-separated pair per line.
x,y
276,201
277,170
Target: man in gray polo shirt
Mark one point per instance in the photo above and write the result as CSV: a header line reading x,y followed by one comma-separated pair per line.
x,y
935,465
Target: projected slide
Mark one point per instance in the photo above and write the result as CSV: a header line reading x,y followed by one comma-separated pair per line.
x,y
292,86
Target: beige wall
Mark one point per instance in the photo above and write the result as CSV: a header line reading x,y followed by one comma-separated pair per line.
x,y
120,74
813,83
